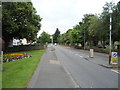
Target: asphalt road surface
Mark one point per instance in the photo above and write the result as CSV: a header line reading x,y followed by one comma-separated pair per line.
x,y
85,73
64,67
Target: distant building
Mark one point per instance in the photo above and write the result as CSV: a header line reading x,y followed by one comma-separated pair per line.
x,y
17,42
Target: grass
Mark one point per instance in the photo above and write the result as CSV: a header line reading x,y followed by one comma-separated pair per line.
x,y
16,74
0,77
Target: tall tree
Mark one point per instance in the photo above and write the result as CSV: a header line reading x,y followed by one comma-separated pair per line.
x,y
44,38
94,29
85,26
19,20
105,17
56,36
116,23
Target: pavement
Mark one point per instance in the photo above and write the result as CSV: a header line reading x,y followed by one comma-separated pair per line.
x,y
50,73
97,60
104,61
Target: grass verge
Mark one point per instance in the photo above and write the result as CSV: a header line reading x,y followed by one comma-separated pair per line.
x,y
0,78
16,74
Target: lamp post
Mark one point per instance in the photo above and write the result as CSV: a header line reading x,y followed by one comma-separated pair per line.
x,y
84,38
110,27
52,39
84,33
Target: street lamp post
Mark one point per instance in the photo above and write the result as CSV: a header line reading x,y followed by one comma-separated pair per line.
x,y
110,46
84,33
84,38
52,39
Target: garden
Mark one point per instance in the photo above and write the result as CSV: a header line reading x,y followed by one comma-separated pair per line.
x,y
19,67
15,56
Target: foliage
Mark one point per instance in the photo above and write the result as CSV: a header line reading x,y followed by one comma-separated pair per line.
x,y
56,36
94,29
44,38
19,20
116,23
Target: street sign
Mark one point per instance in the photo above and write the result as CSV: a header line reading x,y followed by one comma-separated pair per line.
x,y
114,58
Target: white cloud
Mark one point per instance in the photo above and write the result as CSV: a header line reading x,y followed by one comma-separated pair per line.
x,y
64,14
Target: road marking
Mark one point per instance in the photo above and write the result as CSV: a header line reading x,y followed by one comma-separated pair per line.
x,y
76,85
115,71
69,74
81,56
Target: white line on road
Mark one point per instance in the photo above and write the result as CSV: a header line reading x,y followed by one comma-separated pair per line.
x,y
79,55
115,71
76,85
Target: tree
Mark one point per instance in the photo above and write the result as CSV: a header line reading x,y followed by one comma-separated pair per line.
x,y
74,36
85,27
44,38
56,36
105,17
0,20
94,29
19,21
116,23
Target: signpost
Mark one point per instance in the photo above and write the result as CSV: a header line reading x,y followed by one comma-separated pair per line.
x,y
114,58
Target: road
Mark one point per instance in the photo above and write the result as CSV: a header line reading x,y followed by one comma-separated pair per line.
x,y
85,73
64,67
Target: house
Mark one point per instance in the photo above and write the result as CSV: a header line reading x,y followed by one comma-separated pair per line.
x,y
17,42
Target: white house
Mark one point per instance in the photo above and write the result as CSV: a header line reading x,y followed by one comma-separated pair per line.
x,y
17,42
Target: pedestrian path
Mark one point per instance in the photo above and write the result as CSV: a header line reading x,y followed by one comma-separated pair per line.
x,y
98,58
101,59
50,73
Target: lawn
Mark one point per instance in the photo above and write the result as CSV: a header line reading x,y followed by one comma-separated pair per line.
x,y
0,78
16,74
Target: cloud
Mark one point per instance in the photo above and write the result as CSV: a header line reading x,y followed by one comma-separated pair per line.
x,y
64,14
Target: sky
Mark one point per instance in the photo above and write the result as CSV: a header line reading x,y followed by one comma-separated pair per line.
x,y
64,14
